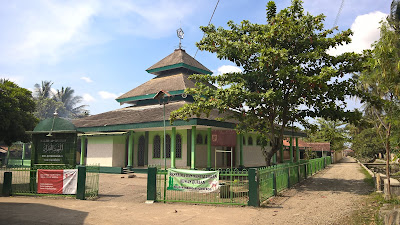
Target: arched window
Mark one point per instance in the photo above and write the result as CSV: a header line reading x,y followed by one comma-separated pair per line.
x,y
199,139
157,146
168,146
141,150
178,146
244,140
250,141
206,139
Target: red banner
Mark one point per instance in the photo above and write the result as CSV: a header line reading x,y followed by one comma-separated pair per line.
x,y
226,138
57,181
50,181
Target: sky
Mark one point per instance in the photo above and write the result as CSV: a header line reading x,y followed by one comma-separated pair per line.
x,y
102,48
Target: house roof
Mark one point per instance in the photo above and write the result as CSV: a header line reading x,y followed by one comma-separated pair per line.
x,y
320,146
314,146
135,115
54,124
166,82
179,58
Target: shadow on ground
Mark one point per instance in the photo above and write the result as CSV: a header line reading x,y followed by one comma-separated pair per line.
x,y
32,213
335,185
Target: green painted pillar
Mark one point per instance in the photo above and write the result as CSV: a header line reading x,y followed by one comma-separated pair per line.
x,y
130,149
241,151
209,148
173,147
151,184
297,150
274,158
291,149
83,150
193,150
81,186
254,199
7,184
281,152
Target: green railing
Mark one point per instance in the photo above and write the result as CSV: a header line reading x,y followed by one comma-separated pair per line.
x,y
233,190
238,187
19,162
24,179
92,181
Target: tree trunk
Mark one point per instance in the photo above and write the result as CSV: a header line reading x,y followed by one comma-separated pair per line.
x,y
268,156
388,195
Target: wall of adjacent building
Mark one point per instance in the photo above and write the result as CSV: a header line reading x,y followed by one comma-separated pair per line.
x,y
119,151
100,151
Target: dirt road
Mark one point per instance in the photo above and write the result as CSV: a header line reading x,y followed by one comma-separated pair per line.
x,y
322,199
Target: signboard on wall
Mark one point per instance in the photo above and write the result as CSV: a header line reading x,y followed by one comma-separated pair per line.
x,y
57,149
57,181
225,138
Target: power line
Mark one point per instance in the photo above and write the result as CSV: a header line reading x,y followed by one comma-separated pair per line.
x,y
209,22
338,14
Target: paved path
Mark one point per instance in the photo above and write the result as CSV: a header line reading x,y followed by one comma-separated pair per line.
x,y
322,199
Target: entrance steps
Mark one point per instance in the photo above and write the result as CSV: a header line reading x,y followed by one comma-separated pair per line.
x,y
127,170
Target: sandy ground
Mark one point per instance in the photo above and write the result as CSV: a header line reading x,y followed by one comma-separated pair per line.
x,y
322,199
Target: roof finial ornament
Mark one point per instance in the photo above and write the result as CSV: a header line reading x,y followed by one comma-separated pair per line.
x,y
180,35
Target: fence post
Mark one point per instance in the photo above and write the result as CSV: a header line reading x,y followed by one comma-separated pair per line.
x,y
288,183
274,183
7,187
80,191
151,184
254,199
305,170
298,172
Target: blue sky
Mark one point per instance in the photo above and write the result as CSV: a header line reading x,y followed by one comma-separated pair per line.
x,y
102,48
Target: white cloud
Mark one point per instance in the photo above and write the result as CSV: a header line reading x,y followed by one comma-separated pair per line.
x,y
87,79
47,31
88,98
228,69
151,19
366,32
107,95
44,29
13,78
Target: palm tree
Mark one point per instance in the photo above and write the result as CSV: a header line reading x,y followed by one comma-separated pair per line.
x,y
44,90
66,96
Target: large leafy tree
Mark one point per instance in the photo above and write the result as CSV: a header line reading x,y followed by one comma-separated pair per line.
x,y
287,74
381,81
16,112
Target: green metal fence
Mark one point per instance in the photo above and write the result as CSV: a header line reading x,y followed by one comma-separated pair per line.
x,y
19,162
24,179
239,187
233,190
92,181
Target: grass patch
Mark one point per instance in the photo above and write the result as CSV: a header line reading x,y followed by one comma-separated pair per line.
x,y
367,211
368,178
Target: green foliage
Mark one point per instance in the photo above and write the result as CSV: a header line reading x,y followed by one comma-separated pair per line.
x,y
334,132
63,101
285,66
16,112
381,82
310,154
